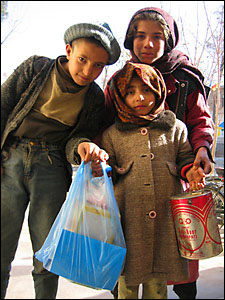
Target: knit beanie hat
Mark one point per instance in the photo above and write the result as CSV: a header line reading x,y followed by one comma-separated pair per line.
x,y
99,31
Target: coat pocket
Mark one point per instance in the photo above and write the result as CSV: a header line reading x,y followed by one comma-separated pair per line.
x,y
124,168
172,168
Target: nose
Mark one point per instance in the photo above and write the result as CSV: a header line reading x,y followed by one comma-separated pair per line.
x,y
149,43
87,70
141,97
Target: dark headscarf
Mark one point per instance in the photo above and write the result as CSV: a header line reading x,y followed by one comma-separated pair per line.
x,y
172,60
151,77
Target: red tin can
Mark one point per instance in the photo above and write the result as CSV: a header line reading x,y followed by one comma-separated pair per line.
x,y
196,224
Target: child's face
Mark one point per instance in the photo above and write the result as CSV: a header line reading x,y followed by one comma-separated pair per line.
x,y
139,97
149,41
86,61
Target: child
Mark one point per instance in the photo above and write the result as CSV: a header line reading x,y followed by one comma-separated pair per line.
x,y
152,37
149,152
51,110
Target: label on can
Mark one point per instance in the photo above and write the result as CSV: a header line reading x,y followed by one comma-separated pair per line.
x,y
196,225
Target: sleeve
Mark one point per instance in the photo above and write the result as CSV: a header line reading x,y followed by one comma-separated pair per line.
x,y
13,88
185,155
199,121
185,169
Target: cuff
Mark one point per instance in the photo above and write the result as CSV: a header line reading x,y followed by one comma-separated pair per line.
x,y
184,170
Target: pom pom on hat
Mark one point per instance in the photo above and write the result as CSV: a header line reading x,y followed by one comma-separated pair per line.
x,y
99,31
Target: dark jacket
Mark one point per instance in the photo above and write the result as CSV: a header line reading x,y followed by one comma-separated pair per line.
x,y
21,90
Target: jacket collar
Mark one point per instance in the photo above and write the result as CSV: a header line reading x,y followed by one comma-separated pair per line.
x,y
165,121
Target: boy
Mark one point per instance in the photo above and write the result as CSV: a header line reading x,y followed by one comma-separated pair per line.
x,y
149,152
51,110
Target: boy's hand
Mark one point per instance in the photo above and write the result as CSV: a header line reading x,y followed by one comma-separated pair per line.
x,y
91,152
196,178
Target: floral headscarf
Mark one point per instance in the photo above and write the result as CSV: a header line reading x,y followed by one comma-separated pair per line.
x,y
150,76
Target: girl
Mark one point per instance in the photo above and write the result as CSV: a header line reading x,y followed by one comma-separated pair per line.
x,y
148,151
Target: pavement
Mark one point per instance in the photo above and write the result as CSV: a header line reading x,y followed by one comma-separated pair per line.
x,y
210,284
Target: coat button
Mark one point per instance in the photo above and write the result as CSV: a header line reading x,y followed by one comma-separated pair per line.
x,y
144,131
152,214
182,84
152,156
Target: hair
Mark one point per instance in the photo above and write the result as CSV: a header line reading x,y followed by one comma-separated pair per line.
x,y
135,75
88,39
153,16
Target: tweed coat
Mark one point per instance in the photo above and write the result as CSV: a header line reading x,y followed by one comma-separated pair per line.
x,y
146,162
21,90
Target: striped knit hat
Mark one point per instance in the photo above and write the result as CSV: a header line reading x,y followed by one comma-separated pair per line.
x,y
99,31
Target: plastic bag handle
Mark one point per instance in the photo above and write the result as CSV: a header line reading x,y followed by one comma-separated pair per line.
x,y
105,168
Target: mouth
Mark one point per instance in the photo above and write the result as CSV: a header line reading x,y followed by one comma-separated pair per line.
x,y
139,107
84,78
147,54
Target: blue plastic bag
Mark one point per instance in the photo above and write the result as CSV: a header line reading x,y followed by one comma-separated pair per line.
x,y
86,242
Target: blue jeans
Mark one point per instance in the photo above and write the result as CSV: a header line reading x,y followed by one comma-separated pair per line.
x,y
35,174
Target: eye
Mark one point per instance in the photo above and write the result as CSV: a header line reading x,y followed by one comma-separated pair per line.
x,y
99,66
147,90
81,59
139,36
129,93
158,37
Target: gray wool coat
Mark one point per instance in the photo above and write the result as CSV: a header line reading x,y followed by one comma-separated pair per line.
x,y
21,90
146,164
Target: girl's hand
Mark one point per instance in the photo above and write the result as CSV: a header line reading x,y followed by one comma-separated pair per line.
x,y
202,159
196,178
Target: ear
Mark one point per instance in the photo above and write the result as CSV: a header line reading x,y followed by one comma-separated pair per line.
x,y
68,51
